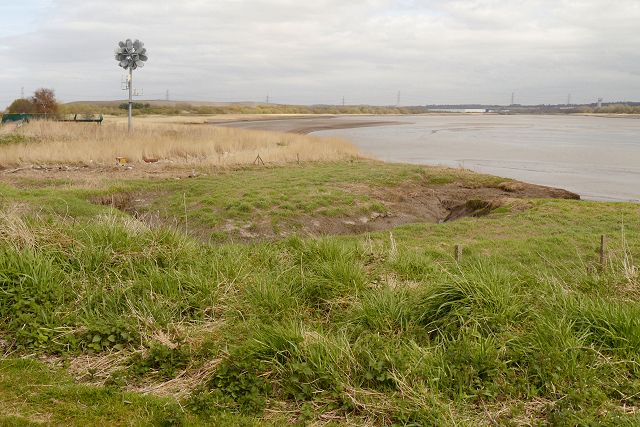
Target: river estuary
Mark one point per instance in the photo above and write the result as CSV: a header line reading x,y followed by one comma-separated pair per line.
x,y
596,157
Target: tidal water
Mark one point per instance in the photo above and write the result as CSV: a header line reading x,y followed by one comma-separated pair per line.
x,y
595,157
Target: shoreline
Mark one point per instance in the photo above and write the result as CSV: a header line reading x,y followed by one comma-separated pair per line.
x,y
458,141
301,124
556,151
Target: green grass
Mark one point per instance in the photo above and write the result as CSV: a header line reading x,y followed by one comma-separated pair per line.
x,y
244,195
14,138
377,329
40,395
278,191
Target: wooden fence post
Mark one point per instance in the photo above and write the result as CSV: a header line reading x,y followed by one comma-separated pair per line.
x,y
603,250
457,252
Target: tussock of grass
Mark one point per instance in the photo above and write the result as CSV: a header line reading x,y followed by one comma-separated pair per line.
x,y
48,142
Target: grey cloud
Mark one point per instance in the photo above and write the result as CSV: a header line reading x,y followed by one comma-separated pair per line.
x,y
314,52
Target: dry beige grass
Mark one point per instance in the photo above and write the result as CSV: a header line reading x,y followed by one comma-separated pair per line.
x,y
18,233
200,119
91,144
124,120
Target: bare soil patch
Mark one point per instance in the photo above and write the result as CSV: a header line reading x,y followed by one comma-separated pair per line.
x,y
433,203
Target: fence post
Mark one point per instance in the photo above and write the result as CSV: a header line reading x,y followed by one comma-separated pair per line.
x,y
603,250
457,252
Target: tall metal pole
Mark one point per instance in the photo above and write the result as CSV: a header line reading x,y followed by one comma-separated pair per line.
x,y
131,55
130,94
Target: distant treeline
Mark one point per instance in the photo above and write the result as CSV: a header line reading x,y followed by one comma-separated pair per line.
x,y
583,109
137,109
295,109
184,108
609,109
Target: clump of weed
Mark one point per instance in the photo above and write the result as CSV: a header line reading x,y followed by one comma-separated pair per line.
x,y
478,206
31,292
161,360
472,366
333,212
413,265
501,210
333,269
15,138
442,180
480,293
369,208
98,337
385,310
240,382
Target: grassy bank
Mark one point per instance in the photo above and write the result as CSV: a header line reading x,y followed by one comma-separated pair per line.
x,y
111,318
378,329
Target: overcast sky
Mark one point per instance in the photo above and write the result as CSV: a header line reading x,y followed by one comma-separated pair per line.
x,y
321,51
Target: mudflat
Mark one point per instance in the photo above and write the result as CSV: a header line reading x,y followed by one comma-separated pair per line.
x,y
301,124
597,157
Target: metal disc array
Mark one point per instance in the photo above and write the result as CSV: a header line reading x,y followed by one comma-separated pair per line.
x,y
131,54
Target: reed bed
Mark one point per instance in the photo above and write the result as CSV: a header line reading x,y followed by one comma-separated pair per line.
x,y
47,142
